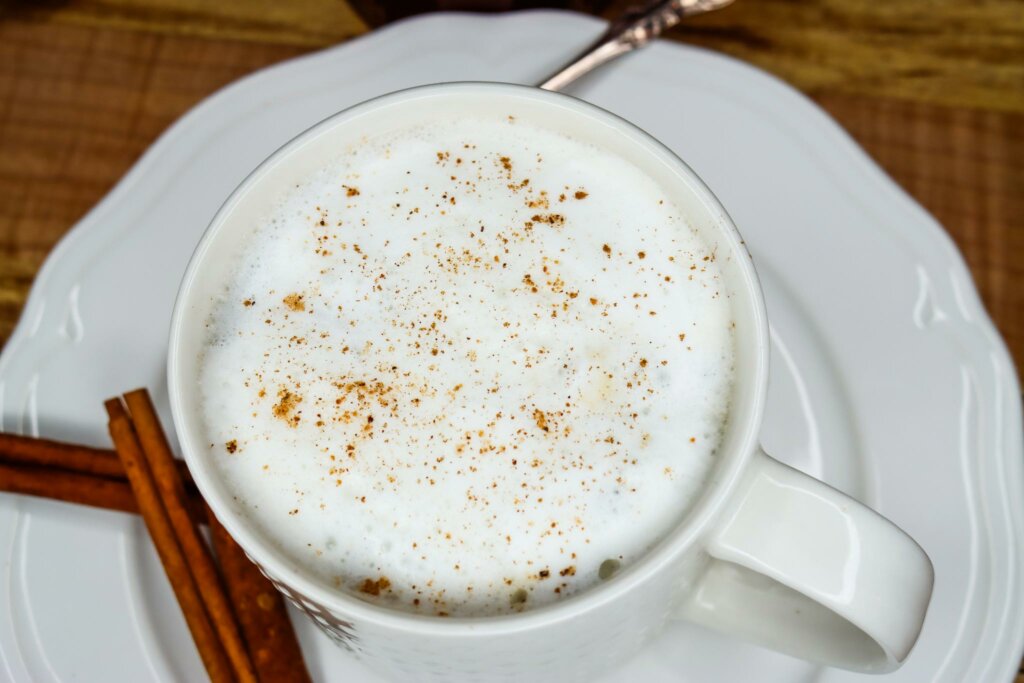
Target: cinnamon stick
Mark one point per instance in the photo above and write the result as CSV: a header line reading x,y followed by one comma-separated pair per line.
x,y
261,612
27,450
70,487
197,556
82,489
162,532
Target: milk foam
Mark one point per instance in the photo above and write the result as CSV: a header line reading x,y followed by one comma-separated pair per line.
x,y
469,368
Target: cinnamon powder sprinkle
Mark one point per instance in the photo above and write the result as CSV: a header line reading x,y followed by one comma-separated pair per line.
x,y
555,220
295,302
286,404
231,446
372,587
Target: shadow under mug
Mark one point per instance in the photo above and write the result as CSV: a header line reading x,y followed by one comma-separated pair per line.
x,y
766,553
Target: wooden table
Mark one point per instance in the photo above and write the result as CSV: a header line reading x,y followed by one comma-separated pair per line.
x,y
934,89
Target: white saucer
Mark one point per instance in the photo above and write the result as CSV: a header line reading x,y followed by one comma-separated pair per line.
x,y
888,380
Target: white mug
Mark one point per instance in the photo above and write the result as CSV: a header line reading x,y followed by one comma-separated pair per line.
x,y
766,554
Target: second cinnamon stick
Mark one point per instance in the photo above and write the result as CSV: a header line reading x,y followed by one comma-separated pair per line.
x,y
162,532
172,492
261,612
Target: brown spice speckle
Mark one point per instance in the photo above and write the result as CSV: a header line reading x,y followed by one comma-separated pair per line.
x,y
285,406
541,419
372,587
555,220
296,302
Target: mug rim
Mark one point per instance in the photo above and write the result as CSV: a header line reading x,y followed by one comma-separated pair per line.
x,y
684,535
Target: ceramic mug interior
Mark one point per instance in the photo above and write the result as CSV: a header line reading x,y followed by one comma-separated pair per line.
x,y
212,266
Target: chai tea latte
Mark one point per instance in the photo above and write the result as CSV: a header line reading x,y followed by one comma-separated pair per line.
x,y
470,367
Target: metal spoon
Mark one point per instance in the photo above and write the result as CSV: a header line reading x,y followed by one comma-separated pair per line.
x,y
634,29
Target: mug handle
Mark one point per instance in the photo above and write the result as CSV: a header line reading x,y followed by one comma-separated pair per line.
x,y
806,570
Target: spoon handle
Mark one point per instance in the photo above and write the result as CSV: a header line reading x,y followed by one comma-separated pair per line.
x,y
635,28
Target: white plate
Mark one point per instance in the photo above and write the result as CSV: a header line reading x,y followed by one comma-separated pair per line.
x,y
888,379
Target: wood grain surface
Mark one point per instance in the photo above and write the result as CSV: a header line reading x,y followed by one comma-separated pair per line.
x,y
933,89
